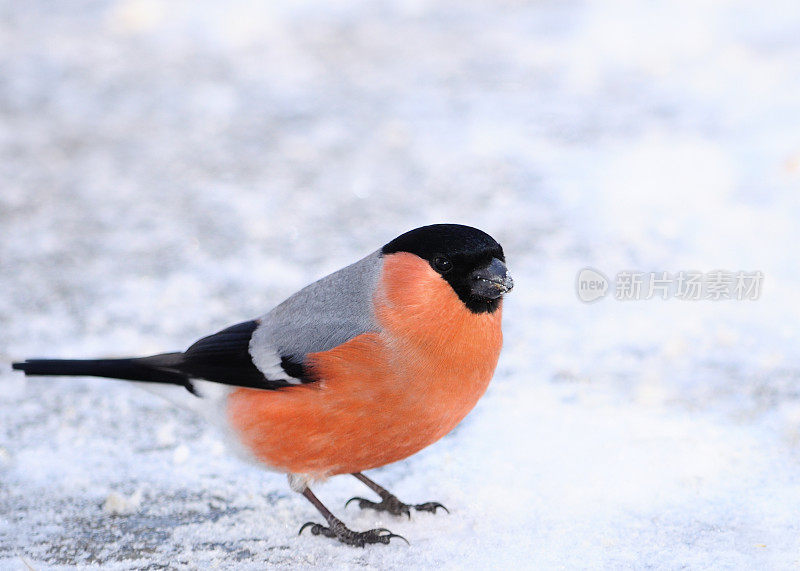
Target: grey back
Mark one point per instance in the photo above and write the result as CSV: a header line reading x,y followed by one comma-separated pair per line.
x,y
320,316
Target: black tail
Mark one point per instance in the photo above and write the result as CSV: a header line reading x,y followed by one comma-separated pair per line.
x,y
223,357
155,369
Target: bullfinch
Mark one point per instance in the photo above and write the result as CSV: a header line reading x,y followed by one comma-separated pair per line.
x,y
359,369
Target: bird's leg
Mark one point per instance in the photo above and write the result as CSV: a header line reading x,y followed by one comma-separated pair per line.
x,y
389,502
338,530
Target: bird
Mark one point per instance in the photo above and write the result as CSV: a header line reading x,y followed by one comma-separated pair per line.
x,y
362,368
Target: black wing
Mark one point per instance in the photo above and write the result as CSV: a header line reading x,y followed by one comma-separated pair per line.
x,y
224,357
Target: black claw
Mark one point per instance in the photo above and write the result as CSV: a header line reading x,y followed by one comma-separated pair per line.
x,y
430,507
390,504
313,525
395,507
347,503
349,537
391,535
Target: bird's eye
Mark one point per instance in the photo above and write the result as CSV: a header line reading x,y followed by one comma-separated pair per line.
x,y
442,264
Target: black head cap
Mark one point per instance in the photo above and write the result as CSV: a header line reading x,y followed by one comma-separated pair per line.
x,y
469,259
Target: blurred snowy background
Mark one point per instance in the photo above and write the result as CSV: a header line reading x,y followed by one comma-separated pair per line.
x,y
169,168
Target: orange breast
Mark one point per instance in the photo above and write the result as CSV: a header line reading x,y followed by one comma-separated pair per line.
x,y
381,396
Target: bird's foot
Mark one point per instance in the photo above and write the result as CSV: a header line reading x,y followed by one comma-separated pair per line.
x,y
391,504
338,530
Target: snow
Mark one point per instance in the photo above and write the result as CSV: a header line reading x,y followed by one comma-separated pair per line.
x,y
122,504
171,168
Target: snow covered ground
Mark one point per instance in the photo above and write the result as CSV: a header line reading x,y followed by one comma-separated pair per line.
x,y
167,169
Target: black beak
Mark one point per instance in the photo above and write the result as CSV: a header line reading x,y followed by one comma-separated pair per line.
x,y
492,281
